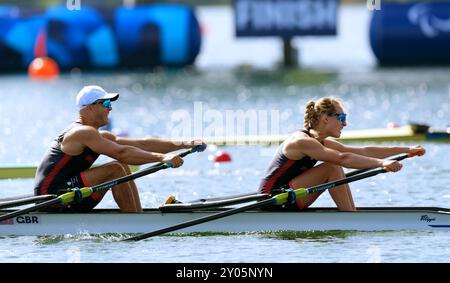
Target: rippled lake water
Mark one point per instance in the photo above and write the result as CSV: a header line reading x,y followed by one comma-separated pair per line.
x,y
32,113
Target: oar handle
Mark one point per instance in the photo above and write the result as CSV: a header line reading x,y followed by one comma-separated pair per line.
x,y
183,154
194,149
145,171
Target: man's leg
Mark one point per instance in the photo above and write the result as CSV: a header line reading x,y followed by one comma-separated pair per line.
x,y
126,194
134,190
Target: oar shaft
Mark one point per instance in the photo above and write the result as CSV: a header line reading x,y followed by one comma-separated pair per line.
x,y
25,200
202,220
331,185
130,177
278,199
29,209
359,171
303,192
213,204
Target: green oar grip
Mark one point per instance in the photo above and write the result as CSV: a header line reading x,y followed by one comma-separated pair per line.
x,y
69,197
283,197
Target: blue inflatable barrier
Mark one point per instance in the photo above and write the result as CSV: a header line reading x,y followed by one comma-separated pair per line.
x,y
17,37
144,36
174,27
411,33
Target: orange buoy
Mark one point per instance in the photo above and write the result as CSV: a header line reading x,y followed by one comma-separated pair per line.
x,y
222,156
43,68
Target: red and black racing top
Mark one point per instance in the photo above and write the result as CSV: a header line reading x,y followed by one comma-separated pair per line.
x,y
282,170
57,168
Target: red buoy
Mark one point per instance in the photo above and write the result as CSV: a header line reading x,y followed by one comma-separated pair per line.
x,y
222,156
43,68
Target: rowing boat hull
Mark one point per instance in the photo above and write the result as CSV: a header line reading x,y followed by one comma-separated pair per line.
x,y
111,221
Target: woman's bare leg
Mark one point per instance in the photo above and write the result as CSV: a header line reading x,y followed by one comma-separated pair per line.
x,y
325,172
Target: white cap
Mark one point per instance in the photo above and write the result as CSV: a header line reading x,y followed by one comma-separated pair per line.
x,y
91,93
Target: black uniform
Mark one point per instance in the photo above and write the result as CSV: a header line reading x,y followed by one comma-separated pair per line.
x,y
282,170
59,171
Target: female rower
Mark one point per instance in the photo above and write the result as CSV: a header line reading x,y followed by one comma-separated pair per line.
x,y
293,165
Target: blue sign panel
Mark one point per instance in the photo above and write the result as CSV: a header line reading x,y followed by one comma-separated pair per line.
x,y
285,18
411,33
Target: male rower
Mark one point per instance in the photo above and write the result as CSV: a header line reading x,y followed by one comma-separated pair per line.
x,y
67,164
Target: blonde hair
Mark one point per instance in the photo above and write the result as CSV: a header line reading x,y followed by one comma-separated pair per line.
x,y
314,109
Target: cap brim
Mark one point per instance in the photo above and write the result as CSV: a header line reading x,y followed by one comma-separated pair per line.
x,y
111,96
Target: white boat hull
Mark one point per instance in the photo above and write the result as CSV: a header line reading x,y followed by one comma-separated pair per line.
x,y
112,221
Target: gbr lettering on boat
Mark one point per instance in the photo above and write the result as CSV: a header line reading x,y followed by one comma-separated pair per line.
x,y
27,219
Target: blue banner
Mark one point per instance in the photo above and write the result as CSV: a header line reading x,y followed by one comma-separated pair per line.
x,y
285,18
411,33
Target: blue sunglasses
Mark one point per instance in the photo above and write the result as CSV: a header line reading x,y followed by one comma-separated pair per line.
x,y
341,116
105,103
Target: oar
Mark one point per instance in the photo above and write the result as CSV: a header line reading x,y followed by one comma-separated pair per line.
x,y
398,158
275,200
69,197
13,202
213,203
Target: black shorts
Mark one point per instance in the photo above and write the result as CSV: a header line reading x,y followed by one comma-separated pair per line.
x,y
85,205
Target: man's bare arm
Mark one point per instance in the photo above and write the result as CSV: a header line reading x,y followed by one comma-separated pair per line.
x,y
89,137
153,144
